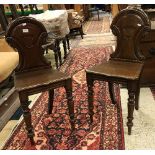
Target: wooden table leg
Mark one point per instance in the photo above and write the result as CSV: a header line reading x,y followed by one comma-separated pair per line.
x,y
65,48
131,104
27,115
59,52
90,96
56,58
67,38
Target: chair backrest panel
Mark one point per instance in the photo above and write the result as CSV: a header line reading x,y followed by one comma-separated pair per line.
x,y
28,35
129,26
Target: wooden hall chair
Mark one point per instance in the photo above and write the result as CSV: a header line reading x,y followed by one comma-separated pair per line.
x,y
34,74
126,63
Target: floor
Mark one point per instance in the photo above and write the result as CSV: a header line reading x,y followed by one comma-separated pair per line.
x,y
143,132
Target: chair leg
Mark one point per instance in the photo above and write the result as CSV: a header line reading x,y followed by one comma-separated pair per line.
x,y
131,104
27,116
70,103
111,92
137,96
90,96
65,49
50,100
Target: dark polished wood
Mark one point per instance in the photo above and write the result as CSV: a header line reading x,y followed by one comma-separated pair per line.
x,y
34,73
126,63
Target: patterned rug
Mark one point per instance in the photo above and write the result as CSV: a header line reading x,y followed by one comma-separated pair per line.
x,y
52,132
94,26
94,40
97,32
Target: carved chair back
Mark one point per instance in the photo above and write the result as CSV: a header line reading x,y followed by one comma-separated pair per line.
x,y
27,35
129,26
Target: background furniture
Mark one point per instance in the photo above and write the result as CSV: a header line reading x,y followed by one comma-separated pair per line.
x,y
34,74
3,19
33,9
125,65
75,22
94,9
122,6
56,24
9,102
54,46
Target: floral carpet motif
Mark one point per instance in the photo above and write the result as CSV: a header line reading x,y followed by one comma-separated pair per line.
x,y
53,131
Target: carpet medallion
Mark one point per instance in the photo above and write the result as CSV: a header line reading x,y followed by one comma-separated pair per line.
x,y
52,132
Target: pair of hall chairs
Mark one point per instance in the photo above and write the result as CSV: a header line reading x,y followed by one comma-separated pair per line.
x,y
34,74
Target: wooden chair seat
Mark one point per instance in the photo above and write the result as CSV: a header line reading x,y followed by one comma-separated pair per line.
x,y
44,78
118,69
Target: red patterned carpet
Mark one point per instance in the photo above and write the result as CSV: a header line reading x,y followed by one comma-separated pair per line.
x,y
52,132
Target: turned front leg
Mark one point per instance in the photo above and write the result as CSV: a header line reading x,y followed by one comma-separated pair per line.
x,y
90,96
70,103
131,104
27,115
